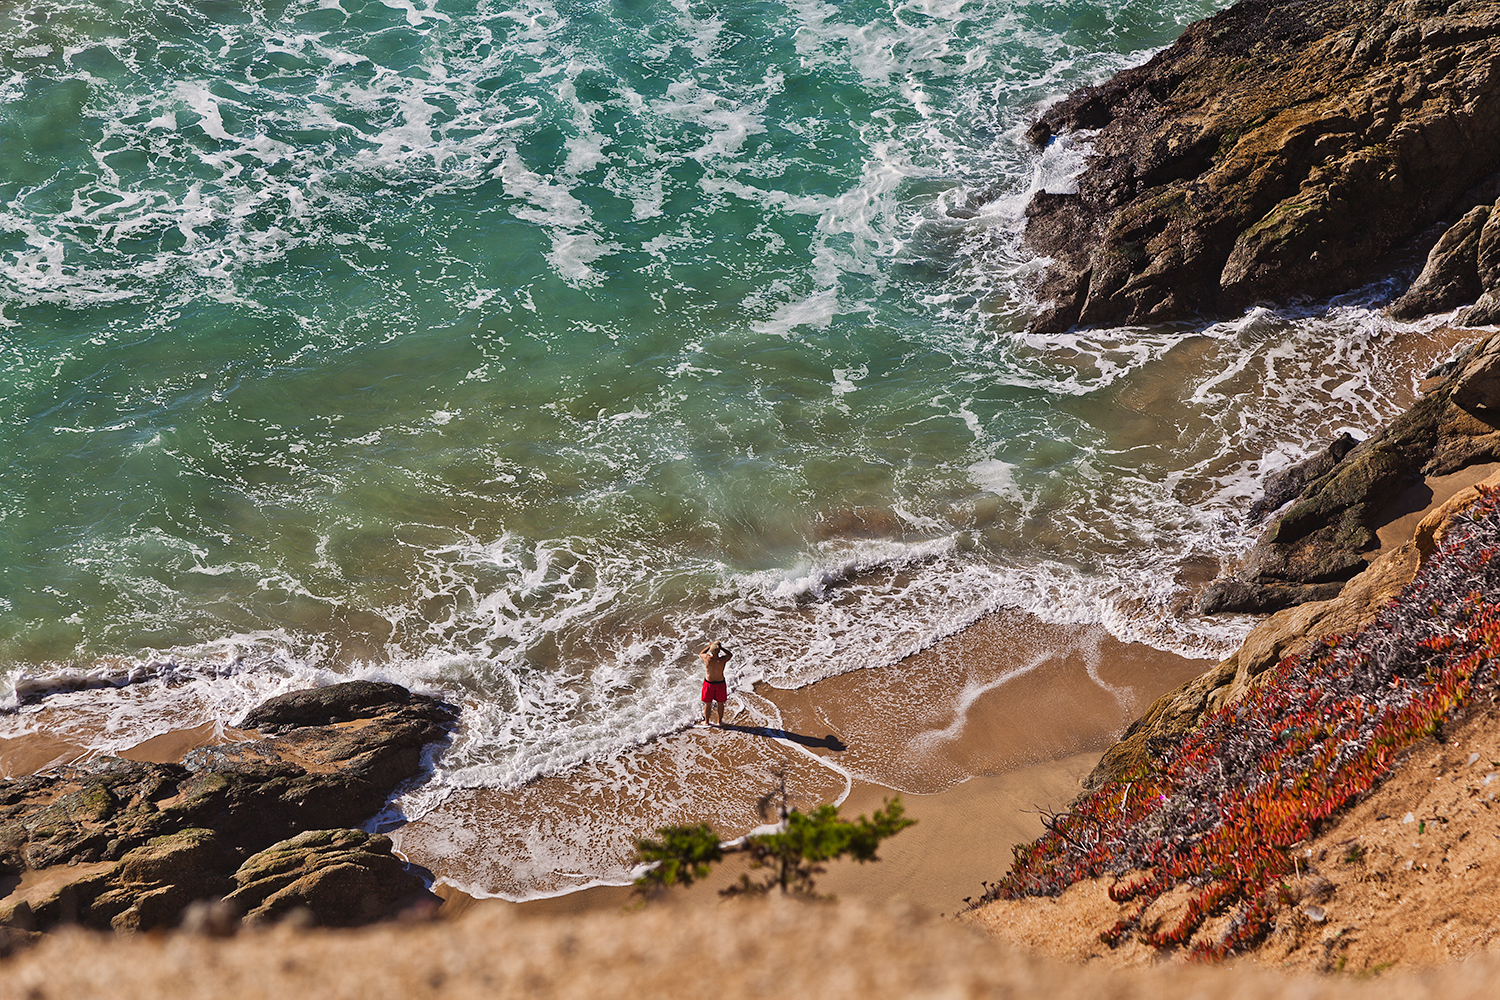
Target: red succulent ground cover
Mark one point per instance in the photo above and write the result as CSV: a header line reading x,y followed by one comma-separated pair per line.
x,y
1221,812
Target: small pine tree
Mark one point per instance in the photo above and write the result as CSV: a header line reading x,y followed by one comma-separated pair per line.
x,y
683,855
795,854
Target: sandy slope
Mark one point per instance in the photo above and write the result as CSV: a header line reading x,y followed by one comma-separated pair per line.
x,y
1380,890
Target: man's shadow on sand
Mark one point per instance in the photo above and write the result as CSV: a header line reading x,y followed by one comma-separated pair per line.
x,y
829,742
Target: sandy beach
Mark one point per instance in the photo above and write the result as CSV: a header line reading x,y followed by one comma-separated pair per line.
x,y
1002,716
976,734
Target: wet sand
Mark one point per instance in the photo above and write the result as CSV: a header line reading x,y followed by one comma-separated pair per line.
x,y
976,734
27,754
38,751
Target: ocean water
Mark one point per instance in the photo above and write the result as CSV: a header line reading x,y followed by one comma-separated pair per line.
x,y
512,351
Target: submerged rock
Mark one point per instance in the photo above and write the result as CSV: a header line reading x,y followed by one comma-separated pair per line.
x,y
131,844
1277,150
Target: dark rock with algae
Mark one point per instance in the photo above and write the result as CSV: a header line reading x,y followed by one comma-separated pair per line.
x,y
341,877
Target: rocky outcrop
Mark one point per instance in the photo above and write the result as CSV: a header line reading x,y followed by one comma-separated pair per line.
x,y
341,877
1177,713
1277,150
1320,540
1462,268
327,706
144,840
1450,277
1281,487
152,884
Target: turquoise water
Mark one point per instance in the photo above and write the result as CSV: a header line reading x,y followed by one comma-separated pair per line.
x,y
511,351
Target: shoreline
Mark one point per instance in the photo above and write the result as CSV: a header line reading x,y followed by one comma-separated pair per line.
x,y
931,866
945,717
1002,717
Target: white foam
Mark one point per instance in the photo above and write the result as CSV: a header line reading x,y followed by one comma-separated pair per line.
x,y
996,476
1063,160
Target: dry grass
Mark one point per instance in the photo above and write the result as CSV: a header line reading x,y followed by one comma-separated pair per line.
x,y
738,949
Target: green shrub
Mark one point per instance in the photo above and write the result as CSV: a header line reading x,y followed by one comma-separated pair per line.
x,y
791,857
683,855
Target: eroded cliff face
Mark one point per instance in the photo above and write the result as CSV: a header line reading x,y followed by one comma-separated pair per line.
x,y
1275,151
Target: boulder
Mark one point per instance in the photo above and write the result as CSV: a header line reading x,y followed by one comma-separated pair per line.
x,y
151,885
1451,276
1464,267
340,877
1485,312
1277,150
1475,385
1283,486
326,706
148,839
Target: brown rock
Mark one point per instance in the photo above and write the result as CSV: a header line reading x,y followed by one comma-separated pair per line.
x,y
152,884
1451,276
1276,150
163,835
341,877
1485,312
1475,387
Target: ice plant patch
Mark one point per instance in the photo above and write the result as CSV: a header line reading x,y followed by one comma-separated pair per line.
x,y
1221,812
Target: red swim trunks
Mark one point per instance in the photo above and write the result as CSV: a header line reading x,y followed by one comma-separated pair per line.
x,y
715,691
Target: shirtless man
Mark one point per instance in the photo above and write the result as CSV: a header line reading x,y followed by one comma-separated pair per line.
x,y
715,691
